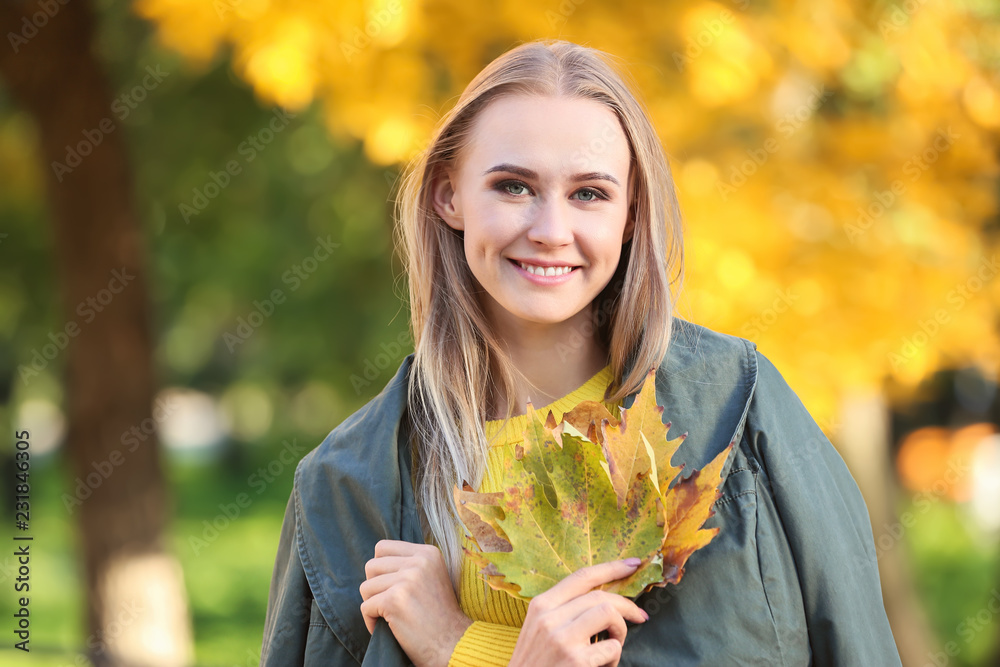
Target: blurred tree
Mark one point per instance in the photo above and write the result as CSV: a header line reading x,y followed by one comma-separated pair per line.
x,y
136,606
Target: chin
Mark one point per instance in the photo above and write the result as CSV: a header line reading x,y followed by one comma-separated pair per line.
x,y
544,311
546,317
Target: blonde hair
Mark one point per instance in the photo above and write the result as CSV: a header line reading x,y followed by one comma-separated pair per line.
x,y
460,368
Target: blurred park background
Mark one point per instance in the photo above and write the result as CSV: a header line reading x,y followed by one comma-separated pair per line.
x,y
197,280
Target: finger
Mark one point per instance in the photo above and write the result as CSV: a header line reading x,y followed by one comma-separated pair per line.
x,y
370,612
376,607
586,578
596,619
605,652
570,611
625,607
396,548
384,603
385,564
383,582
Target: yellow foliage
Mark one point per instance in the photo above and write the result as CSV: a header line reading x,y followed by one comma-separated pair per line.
x,y
835,160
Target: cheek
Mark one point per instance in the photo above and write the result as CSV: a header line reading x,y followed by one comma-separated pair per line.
x,y
478,247
493,229
608,243
612,258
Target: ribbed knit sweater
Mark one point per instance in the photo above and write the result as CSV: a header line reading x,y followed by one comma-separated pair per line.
x,y
497,617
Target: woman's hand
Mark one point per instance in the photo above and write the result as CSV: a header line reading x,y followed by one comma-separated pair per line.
x,y
560,622
408,585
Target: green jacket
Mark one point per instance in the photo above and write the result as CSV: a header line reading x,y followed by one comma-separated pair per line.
x,y
791,578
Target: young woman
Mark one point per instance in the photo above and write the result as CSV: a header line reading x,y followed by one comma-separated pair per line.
x,y
541,231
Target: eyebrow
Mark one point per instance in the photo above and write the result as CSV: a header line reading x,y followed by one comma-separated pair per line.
x,y
528,173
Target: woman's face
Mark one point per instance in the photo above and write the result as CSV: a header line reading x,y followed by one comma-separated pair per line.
x,y
541,195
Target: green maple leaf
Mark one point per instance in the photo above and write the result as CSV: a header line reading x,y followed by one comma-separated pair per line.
x,y
570,500
560,513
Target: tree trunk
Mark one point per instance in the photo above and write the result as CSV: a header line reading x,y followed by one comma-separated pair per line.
x,y
136,605
863,441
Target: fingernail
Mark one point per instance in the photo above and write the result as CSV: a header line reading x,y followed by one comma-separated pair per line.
x,y
644,614
632,562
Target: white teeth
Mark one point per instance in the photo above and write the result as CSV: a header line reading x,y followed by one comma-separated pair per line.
x,y
545,271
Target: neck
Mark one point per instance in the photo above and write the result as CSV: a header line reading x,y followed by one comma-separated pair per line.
x,y
552,360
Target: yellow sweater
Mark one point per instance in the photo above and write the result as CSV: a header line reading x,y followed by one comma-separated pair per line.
x,y
497,617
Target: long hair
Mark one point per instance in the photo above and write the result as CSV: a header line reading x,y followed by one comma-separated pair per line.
x,y
460,367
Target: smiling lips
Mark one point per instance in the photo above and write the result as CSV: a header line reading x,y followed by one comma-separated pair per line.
x,y
544,271
548,271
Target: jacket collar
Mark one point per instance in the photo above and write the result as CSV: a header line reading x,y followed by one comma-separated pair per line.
x,y
354,488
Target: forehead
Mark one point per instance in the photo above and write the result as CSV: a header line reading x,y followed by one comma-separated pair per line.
x,y
552,135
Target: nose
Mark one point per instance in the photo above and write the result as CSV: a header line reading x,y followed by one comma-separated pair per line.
x,y
551,224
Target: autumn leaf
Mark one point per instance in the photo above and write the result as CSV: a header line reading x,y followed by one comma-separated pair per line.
x,y
589,490
641,426
552,539
688,505
480,512
586,417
